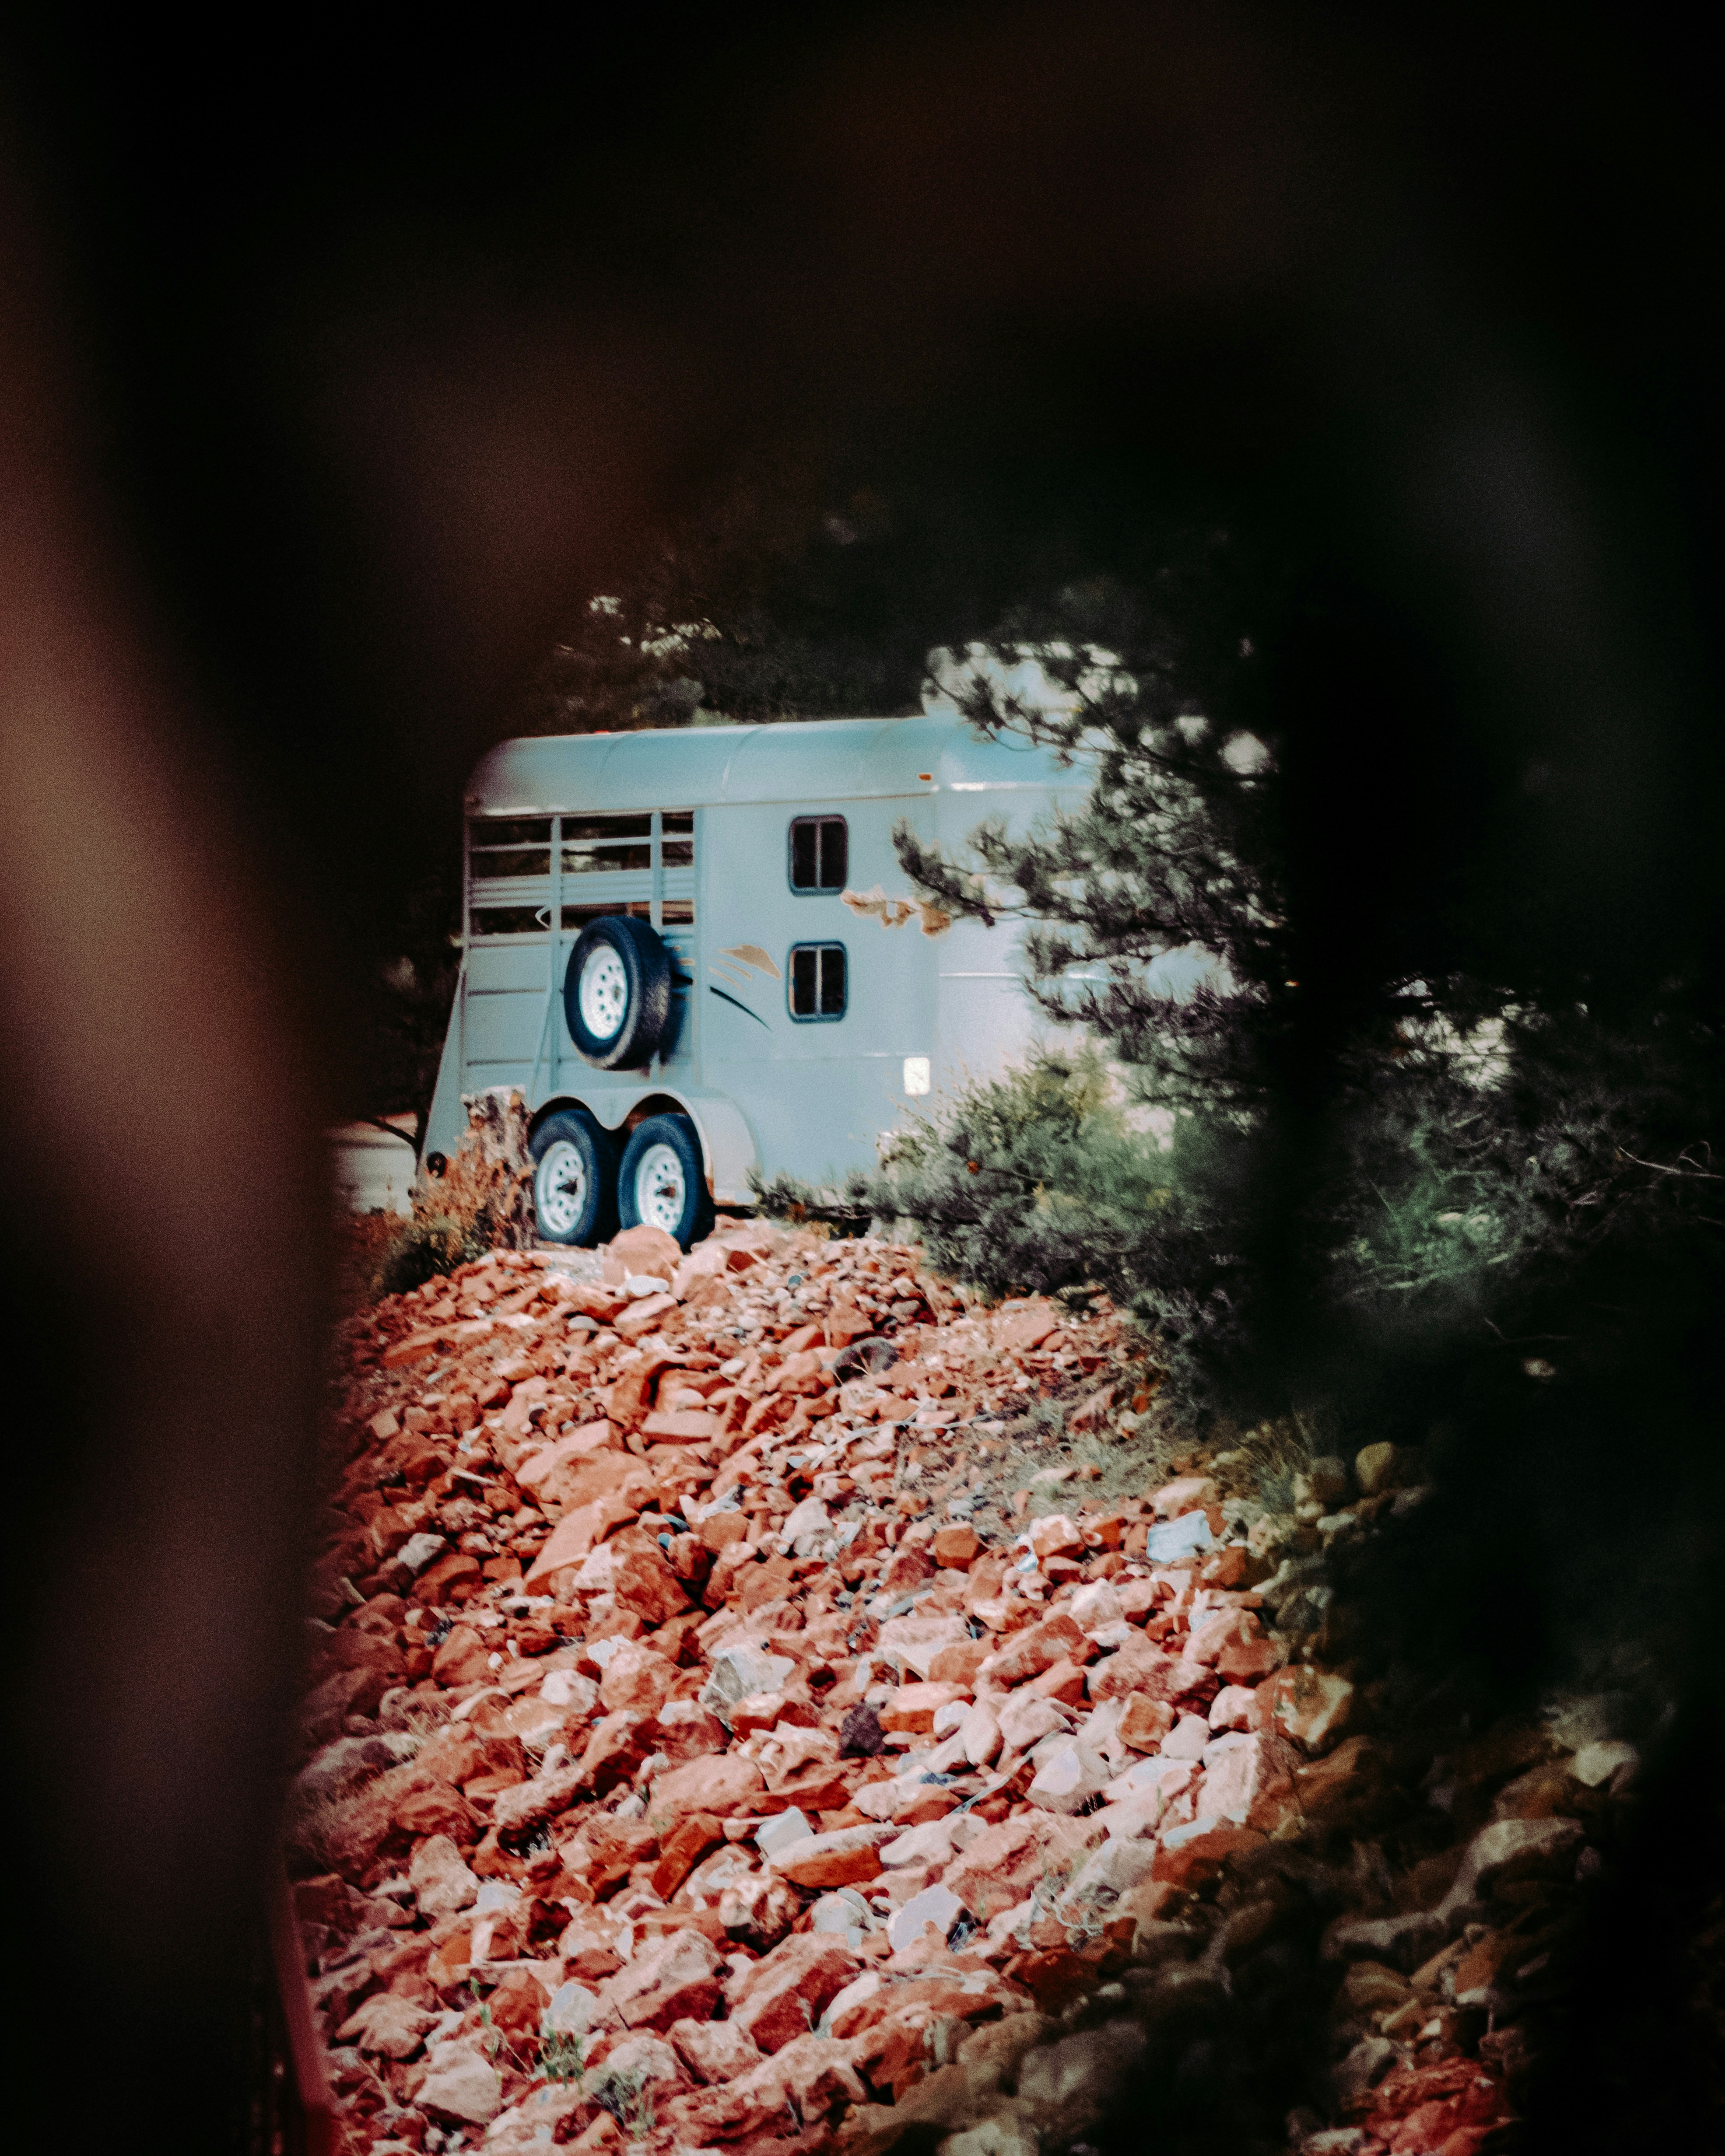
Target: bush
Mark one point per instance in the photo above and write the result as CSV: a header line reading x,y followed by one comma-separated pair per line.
x,y
1047,1181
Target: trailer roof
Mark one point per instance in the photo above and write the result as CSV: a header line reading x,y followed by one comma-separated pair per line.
x,y
815,760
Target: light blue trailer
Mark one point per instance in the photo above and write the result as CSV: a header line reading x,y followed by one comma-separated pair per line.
x,y
695,955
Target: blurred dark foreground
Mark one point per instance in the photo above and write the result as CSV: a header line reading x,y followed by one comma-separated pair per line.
x,y
334,379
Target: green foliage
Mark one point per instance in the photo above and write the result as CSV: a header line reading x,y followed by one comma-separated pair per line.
x,y
1434,1159
629,2101
1047,1180
845,1207
562,2058
430,1242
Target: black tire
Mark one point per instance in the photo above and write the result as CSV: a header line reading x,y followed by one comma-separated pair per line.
x,y
629,991
644,1163
574,1178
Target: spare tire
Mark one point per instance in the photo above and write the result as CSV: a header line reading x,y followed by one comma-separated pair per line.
x,y
617,993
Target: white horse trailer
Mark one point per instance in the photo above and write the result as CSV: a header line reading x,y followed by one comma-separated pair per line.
x,y
695,955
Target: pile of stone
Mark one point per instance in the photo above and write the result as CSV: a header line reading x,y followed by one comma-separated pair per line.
x,y
707,1749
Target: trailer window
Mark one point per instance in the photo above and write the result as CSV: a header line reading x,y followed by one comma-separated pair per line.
x,y
819,853
817,980
676,846
600,845
518,847
511,920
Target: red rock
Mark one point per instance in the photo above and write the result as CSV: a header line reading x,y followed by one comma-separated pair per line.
x,y
683,1847
810,2077
1053,1976
636,1678
631,1398
518,2004
1248,1657
531,1803
414,1349
723,1786
595,1299
1028,1654
713,2051
388,2026
1189,1493
348,1692
719,1530
644,1317
618,1745
781,1996
958,1663
1245,1774
955,1546
452,1578
1064,1681
913,1707
1002,1865
1310,1708
1056,1535
463,1658
684,1425
847,1856
909,1565
667,1980
646,1250
579,1445
1145,1722
1138,1667
1196,1861
685,1731
438,1810
642,1580
1019,1331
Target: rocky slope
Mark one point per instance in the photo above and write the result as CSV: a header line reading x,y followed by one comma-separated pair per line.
x,y
743,1716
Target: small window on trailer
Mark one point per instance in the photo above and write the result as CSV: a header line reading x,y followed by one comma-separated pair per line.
x,y
816,977
820,848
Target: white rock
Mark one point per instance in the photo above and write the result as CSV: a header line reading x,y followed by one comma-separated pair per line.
x,y
741,1671
1101,1731
568,1688
1117,1867
1178,1538
931,1843
1596,1763
1094,1606
1068,1778
573,2009
461,2085
938,1905
1025,1721
807,1526
913,1641
951,1716
781,1831
979,1733
440,1879
1187,1739
848,1918
417,1551
1230,1707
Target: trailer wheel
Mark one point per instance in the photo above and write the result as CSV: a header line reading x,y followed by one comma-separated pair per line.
x,y
574,1178
661,1182
617,993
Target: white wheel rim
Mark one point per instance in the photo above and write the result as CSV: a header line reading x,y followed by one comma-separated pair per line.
x,y
604,994
660,1191
560,1191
